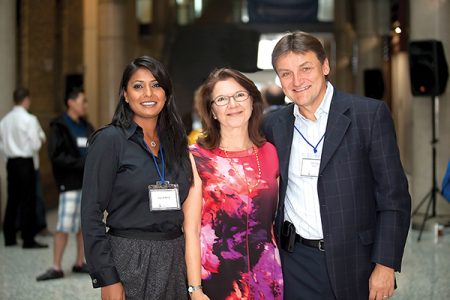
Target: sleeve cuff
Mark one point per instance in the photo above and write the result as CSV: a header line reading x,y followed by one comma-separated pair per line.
x,y
104,277
389,264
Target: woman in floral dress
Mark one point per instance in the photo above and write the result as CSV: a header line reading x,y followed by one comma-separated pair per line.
x,y
238,170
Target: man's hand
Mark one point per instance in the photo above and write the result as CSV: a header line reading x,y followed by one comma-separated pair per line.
x,y
381,283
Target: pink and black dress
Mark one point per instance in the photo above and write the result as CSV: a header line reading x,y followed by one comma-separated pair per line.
x,y
240,259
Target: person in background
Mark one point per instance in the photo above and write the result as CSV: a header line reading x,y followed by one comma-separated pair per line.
x,y
19,140
67,144
139,172
196,131
344,209
274,98
238,171
41,220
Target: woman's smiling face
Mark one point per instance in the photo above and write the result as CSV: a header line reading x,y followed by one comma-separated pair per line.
x,y
235,113
144,95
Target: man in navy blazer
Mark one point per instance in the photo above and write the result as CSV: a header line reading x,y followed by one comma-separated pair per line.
x,y
344,208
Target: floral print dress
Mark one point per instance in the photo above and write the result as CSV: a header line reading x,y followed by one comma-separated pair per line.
x,y
240,259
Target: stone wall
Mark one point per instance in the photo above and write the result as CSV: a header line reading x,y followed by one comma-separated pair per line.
x,y
50,47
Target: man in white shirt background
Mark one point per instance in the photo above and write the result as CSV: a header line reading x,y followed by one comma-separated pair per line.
x,y
20,139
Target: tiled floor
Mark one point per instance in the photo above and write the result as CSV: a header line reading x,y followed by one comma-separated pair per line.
x,y
425,274
19,269
425,268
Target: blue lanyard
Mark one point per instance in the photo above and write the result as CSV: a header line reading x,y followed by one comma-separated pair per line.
x,y
312,146
161,174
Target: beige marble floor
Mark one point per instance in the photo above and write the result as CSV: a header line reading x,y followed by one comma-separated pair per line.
x,y
425,274
20,267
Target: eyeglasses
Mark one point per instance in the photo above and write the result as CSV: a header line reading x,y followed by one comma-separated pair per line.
x,y
224,100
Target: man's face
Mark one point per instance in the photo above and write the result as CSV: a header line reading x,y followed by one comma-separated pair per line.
x,y
302,78
78,105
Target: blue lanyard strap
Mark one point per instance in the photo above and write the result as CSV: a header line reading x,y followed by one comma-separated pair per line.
x,y
160,173
312,146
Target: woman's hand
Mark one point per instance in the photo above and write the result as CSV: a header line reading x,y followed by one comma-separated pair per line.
x,y
113,292
199,295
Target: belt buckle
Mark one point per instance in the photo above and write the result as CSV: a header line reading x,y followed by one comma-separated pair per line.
x,y
321,246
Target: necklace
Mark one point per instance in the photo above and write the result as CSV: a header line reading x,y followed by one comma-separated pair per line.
x,y
153,142
250,187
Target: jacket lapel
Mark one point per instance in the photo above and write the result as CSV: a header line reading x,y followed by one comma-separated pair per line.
x,y
337,125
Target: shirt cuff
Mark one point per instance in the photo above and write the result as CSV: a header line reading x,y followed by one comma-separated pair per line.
x,y
105,277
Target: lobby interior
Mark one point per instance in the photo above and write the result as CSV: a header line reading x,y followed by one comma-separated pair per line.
x,y
49,46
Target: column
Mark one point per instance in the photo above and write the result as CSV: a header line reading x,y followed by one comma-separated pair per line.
x,y
111,55
400,85
345,36
7,77
372,22
110,41
90,58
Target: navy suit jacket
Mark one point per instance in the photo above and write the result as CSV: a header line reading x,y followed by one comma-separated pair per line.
x,y
365,205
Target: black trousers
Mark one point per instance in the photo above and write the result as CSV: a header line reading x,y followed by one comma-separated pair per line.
x,y
21,198
305,274
41,219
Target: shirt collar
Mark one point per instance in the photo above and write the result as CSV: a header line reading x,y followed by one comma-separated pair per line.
x,y
69,119
19,107
131,130
324,107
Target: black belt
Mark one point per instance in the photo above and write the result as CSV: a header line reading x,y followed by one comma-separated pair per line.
x,y
146,235
19,158
318,244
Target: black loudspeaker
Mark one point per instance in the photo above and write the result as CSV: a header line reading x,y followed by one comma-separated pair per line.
x,y
428,68
373,83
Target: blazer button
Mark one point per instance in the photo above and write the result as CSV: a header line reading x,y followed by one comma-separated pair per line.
x,y
94,280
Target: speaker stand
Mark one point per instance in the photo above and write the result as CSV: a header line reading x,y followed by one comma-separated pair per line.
x,y
431,195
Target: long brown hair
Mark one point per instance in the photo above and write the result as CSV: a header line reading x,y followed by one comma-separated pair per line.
x,y
211,127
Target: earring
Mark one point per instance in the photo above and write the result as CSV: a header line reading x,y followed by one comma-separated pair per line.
x,y
214,116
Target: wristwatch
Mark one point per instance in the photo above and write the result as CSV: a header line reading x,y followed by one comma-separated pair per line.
x,y
193,288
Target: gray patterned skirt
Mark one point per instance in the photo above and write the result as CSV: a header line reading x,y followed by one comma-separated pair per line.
x,y
150,269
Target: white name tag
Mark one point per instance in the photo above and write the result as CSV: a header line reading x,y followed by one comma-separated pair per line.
x,y
310,167
82,142
164,197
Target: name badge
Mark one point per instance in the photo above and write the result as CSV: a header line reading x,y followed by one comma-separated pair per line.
x,y
163,196
82,142
310,167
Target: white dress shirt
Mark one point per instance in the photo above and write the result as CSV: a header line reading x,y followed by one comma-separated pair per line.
x,y
21,134
302,206
36,154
